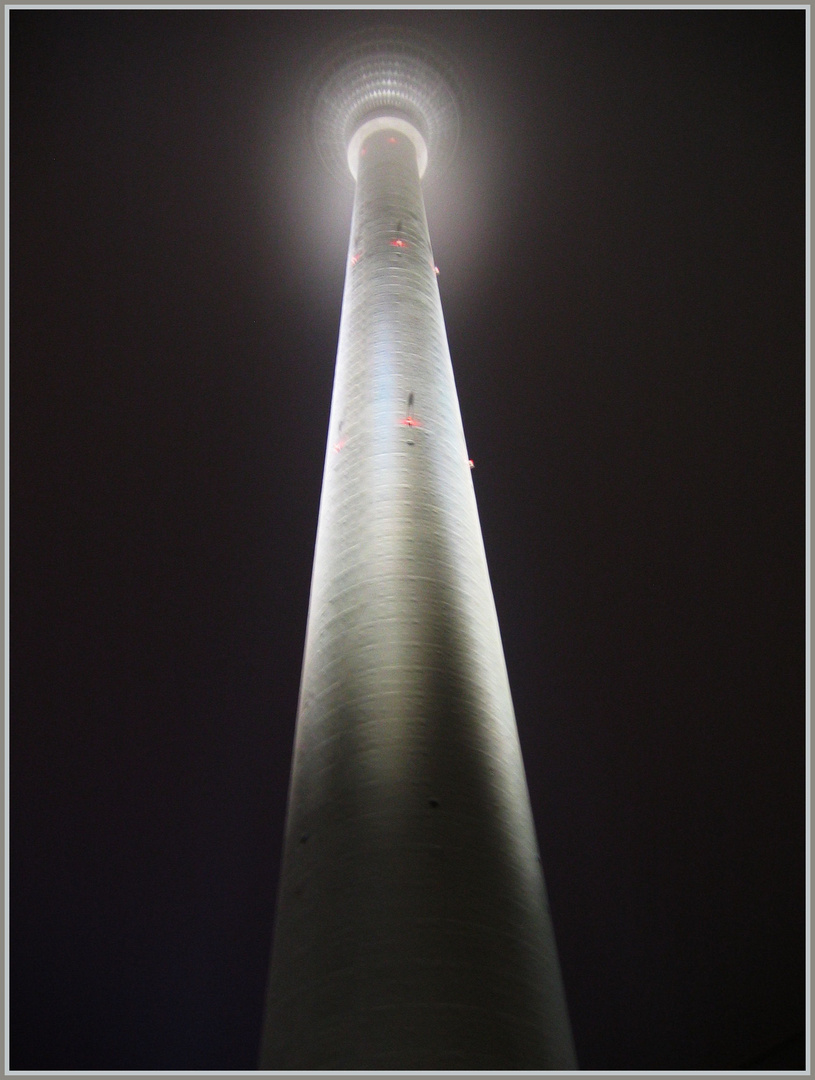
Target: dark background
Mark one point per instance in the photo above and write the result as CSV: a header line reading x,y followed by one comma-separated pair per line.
x,y
622,251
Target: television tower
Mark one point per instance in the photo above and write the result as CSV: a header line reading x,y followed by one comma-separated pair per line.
x,y
412,928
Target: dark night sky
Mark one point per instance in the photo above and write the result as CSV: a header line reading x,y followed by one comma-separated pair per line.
x,y
622,251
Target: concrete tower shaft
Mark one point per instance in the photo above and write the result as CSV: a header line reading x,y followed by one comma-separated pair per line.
x,y
412,926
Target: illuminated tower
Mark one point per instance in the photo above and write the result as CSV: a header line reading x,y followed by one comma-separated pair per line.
x,y
412,926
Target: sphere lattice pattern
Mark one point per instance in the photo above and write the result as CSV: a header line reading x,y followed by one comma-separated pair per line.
x,y
392,73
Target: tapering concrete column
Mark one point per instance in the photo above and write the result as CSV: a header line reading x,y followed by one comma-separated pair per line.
x,y
412,928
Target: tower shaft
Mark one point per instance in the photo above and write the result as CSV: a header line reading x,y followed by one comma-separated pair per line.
x,y
412,924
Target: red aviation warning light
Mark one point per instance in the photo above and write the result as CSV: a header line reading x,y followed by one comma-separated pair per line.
x,y
338,445
355,258
399,243
410,421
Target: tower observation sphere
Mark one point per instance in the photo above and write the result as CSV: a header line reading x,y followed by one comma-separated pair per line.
x,y
412,928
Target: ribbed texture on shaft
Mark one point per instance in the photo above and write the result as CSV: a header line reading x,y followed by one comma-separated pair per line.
x,y
412,927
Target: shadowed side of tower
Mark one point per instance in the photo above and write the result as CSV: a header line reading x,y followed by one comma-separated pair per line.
x,y
412,926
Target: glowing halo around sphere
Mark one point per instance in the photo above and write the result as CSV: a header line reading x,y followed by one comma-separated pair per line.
x,y
386,73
